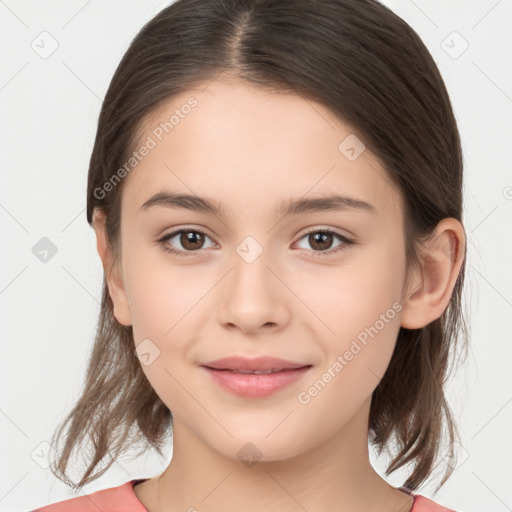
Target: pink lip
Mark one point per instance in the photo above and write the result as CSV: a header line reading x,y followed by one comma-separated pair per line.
x,y
224,372
251,385
257,363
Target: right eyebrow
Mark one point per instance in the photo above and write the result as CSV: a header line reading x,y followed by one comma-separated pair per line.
x,y
184,201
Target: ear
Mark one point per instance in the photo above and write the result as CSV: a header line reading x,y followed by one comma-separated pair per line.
x,y
432,284
113,273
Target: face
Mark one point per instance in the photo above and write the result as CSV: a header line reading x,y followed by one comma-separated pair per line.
x,y
318,286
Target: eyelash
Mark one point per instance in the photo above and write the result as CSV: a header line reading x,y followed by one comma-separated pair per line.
x,y
346,242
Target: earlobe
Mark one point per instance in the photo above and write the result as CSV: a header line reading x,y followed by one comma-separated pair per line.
x,y
111,271
433,283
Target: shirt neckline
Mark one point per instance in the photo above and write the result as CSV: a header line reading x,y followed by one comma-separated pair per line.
x,y
134,482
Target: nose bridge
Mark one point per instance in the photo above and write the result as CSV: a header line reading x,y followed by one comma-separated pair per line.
x,y
250,250
251,273
251,295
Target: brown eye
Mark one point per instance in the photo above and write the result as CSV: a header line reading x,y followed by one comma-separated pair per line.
x,y
191,240
321,242
187,240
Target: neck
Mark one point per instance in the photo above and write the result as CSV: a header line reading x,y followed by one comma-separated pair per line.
x,y
337,471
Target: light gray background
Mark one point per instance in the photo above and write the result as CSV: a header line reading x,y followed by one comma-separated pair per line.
x,y
49,109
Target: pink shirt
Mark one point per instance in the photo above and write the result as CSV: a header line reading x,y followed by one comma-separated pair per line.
x,y
123,499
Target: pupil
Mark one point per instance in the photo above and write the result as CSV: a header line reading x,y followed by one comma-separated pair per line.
x,y
320,240
191,239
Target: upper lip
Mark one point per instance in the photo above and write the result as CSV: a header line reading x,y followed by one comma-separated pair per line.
x,y
258,363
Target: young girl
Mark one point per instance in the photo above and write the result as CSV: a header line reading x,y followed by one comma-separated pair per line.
x,y
276,191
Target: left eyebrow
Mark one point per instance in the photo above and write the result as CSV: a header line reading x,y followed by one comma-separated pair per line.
x,y
324,203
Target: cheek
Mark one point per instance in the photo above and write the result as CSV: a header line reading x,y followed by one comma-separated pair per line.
x,y
162,303
357,309
160,294
356,358
352,297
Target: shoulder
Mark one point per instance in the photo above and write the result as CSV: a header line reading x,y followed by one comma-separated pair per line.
x,y
422,504
115,499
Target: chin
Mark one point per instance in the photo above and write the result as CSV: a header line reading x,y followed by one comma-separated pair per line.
x,y
250,450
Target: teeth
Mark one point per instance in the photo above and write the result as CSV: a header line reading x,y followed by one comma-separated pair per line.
x,y
257,372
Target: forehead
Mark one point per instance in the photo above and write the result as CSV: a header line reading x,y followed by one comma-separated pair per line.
x,y
252,148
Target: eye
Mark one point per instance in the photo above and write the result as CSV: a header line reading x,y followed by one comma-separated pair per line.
x,y
321,240
190,239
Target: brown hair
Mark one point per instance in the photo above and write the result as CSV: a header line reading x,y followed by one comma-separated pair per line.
x,y
371,69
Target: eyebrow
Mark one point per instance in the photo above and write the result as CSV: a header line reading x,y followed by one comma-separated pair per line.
x,y
324,203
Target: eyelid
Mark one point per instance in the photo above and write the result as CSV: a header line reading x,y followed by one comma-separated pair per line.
x,y
174,231
320,227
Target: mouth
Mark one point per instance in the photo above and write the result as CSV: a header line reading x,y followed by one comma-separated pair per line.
x,y
266,364
257,372
255,378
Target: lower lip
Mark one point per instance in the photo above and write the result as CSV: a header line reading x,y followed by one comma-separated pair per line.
x,y
253,385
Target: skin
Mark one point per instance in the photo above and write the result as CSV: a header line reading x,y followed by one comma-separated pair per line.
x,y
250,149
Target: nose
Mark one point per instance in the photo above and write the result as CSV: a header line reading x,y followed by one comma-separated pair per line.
x,y
253,298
